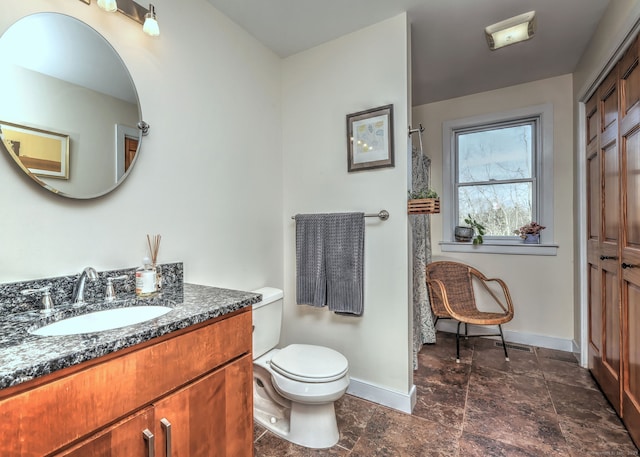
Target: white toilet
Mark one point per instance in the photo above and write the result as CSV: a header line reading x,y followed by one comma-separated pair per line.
x,y
294,388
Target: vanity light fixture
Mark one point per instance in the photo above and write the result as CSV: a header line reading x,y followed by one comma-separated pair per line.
x,y
145,17
110,6
511,31
150,26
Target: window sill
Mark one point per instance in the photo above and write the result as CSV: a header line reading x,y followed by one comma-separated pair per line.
x,y
500,248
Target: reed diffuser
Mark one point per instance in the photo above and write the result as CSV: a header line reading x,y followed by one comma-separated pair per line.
x,y
154,247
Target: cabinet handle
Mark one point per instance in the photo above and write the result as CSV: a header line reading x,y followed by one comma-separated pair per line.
x,y
628,265
608,257
151,442
166,425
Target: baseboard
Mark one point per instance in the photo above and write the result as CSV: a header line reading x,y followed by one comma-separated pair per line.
x,y
582,358
383,396
530,339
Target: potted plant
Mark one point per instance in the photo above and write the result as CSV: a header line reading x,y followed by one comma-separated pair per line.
x,y
424,201
530,232
472,231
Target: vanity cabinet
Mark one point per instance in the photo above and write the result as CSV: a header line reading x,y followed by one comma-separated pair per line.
x,y
198,381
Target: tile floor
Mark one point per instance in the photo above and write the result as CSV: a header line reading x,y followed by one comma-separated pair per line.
x,y
539,404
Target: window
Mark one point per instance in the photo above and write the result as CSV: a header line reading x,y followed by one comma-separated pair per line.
x,y
499,169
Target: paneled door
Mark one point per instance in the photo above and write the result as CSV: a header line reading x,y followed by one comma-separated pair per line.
x,y
604,244
630,240
613,236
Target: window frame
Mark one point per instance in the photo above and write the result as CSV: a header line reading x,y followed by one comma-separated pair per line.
x,y
543,181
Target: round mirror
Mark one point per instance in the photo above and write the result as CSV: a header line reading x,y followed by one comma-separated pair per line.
x,y
70,113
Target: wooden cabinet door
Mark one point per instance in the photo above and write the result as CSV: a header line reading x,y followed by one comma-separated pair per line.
x,y
630,258
124,439
212,417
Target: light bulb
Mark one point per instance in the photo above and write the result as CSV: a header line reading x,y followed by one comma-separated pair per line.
x,y
110,6
151,26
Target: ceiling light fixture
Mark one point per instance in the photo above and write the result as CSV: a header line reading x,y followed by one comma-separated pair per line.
x,y
511,31
145,17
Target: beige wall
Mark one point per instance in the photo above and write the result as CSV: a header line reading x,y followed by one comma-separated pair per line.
x,y
208,175
541,286
362,70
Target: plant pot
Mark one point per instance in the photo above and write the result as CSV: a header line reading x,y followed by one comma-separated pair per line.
x,y
463,234
532,239
423,206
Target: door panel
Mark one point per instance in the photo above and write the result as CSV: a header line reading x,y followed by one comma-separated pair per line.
x,y
611,197
630,259
595,312
124,439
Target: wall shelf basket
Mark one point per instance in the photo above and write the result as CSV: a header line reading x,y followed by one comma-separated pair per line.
x,y
423,206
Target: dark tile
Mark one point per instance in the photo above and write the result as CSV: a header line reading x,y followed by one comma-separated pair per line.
x,y
443,371
352,414
271,445
585,439
445,348
500,387
442,404
567,373
583,405
520,362
394,434
481,446
518,424
545,353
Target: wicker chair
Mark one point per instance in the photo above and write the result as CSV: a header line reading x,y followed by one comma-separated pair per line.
x,y
451,292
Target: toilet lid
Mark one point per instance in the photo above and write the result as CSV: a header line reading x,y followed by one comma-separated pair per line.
x,y
308,363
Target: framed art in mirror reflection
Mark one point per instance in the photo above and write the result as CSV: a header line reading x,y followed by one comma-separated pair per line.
x,y
41,152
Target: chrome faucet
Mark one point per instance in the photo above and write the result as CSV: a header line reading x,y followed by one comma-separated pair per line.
x,y
78,290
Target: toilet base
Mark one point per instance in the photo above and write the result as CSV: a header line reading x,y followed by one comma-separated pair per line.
x,y
313,426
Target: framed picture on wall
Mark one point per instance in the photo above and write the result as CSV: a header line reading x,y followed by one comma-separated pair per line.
x,y
370,139
41,152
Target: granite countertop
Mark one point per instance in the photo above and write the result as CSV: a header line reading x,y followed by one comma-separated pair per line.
x,y
24,356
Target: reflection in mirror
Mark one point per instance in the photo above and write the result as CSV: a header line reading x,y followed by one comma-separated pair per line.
x,y
70,111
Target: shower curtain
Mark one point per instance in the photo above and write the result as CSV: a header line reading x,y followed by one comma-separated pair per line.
x,y
423,320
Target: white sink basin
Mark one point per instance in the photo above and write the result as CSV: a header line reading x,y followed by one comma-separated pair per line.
x,y
101,320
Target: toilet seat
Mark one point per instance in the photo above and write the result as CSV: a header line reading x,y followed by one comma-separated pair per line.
x,y
309,363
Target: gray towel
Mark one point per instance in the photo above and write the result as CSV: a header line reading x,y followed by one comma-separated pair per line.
x,y
330,261
311,278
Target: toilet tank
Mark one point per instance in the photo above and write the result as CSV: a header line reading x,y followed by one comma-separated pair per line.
x,y
267,320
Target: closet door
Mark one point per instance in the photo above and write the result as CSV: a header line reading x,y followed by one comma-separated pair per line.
x,y
607,370
630,240
594,230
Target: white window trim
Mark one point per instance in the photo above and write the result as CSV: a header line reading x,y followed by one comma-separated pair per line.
x,y
544,184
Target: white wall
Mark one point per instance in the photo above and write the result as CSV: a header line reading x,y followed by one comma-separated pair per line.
x,y
541,286
363,70
208,174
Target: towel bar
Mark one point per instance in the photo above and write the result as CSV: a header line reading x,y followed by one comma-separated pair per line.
x,y
383,215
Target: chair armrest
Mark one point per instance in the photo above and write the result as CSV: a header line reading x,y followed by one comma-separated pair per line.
x,y
505,290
